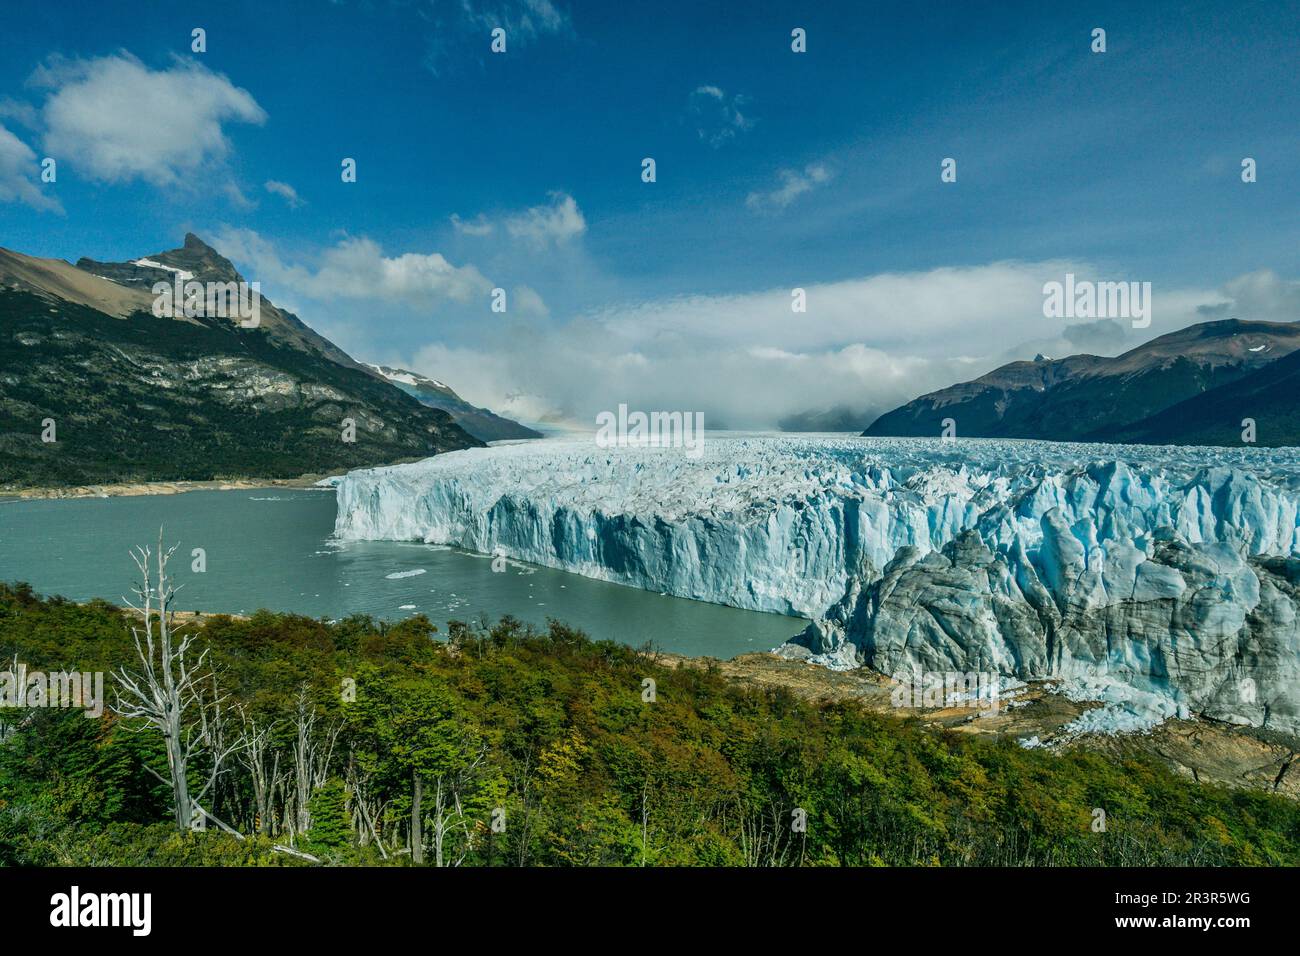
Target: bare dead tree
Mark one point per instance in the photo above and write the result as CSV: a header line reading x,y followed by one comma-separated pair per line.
x,y
645,817
11,725
174,692
278,848
312,752
262,766
364,819
448,813
417,817
219,740
522,782
750,833
760,834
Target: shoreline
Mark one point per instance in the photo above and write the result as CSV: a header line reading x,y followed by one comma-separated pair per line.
x,y
130,489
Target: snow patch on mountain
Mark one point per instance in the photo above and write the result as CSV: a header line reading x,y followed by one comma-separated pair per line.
x,y
406,378
152,264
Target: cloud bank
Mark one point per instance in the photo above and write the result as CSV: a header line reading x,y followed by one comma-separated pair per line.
x,y
870,344
356,268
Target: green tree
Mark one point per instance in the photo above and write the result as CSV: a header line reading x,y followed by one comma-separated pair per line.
x,y
331,826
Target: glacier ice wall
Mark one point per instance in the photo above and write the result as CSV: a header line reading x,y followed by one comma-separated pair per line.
x,y
1175,570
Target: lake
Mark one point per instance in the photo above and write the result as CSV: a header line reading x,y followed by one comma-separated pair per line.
x,y
274,549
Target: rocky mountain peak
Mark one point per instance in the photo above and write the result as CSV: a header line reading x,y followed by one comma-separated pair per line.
x,y
199,258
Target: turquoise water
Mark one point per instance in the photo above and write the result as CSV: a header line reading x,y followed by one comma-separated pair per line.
x,y
273,549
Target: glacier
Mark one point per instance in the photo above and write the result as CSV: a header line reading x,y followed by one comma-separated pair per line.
x,y
1171,571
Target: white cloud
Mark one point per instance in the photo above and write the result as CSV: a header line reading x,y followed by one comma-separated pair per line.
x,y
793,184
24,114
285,192
236,195
527,300
479,226
945,311
480,376
456,24
356,268
544,226
745,360
717,116
1257,295
868,344
118,120
525,19
19,173
557,223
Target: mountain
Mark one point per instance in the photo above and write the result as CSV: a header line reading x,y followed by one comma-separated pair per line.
x,y
1270,396
57,281
199,261
483,424
137,397
1092,398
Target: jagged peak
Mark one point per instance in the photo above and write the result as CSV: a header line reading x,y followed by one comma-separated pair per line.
x,y
194,243
198,257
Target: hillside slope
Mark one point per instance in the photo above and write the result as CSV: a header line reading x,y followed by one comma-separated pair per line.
x,y
199,261
1088,397
134,397
1270,396
482,423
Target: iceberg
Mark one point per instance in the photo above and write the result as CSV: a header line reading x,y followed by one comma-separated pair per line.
x,y
1172,571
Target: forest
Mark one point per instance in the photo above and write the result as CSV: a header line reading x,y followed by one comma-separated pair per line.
x,y
280,740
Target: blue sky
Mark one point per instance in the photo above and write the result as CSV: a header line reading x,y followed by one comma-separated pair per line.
x,y
774,170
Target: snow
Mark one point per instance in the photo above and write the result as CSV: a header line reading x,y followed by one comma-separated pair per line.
x,y
406,378
151,264
805,526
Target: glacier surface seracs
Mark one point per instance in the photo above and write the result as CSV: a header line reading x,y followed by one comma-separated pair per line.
x,y
1173,571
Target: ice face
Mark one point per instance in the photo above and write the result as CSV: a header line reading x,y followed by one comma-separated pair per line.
x,y
1173,570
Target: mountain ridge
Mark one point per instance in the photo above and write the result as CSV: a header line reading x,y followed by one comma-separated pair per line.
x,y
197,260
1219,416
1094,398
95,388
482,423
